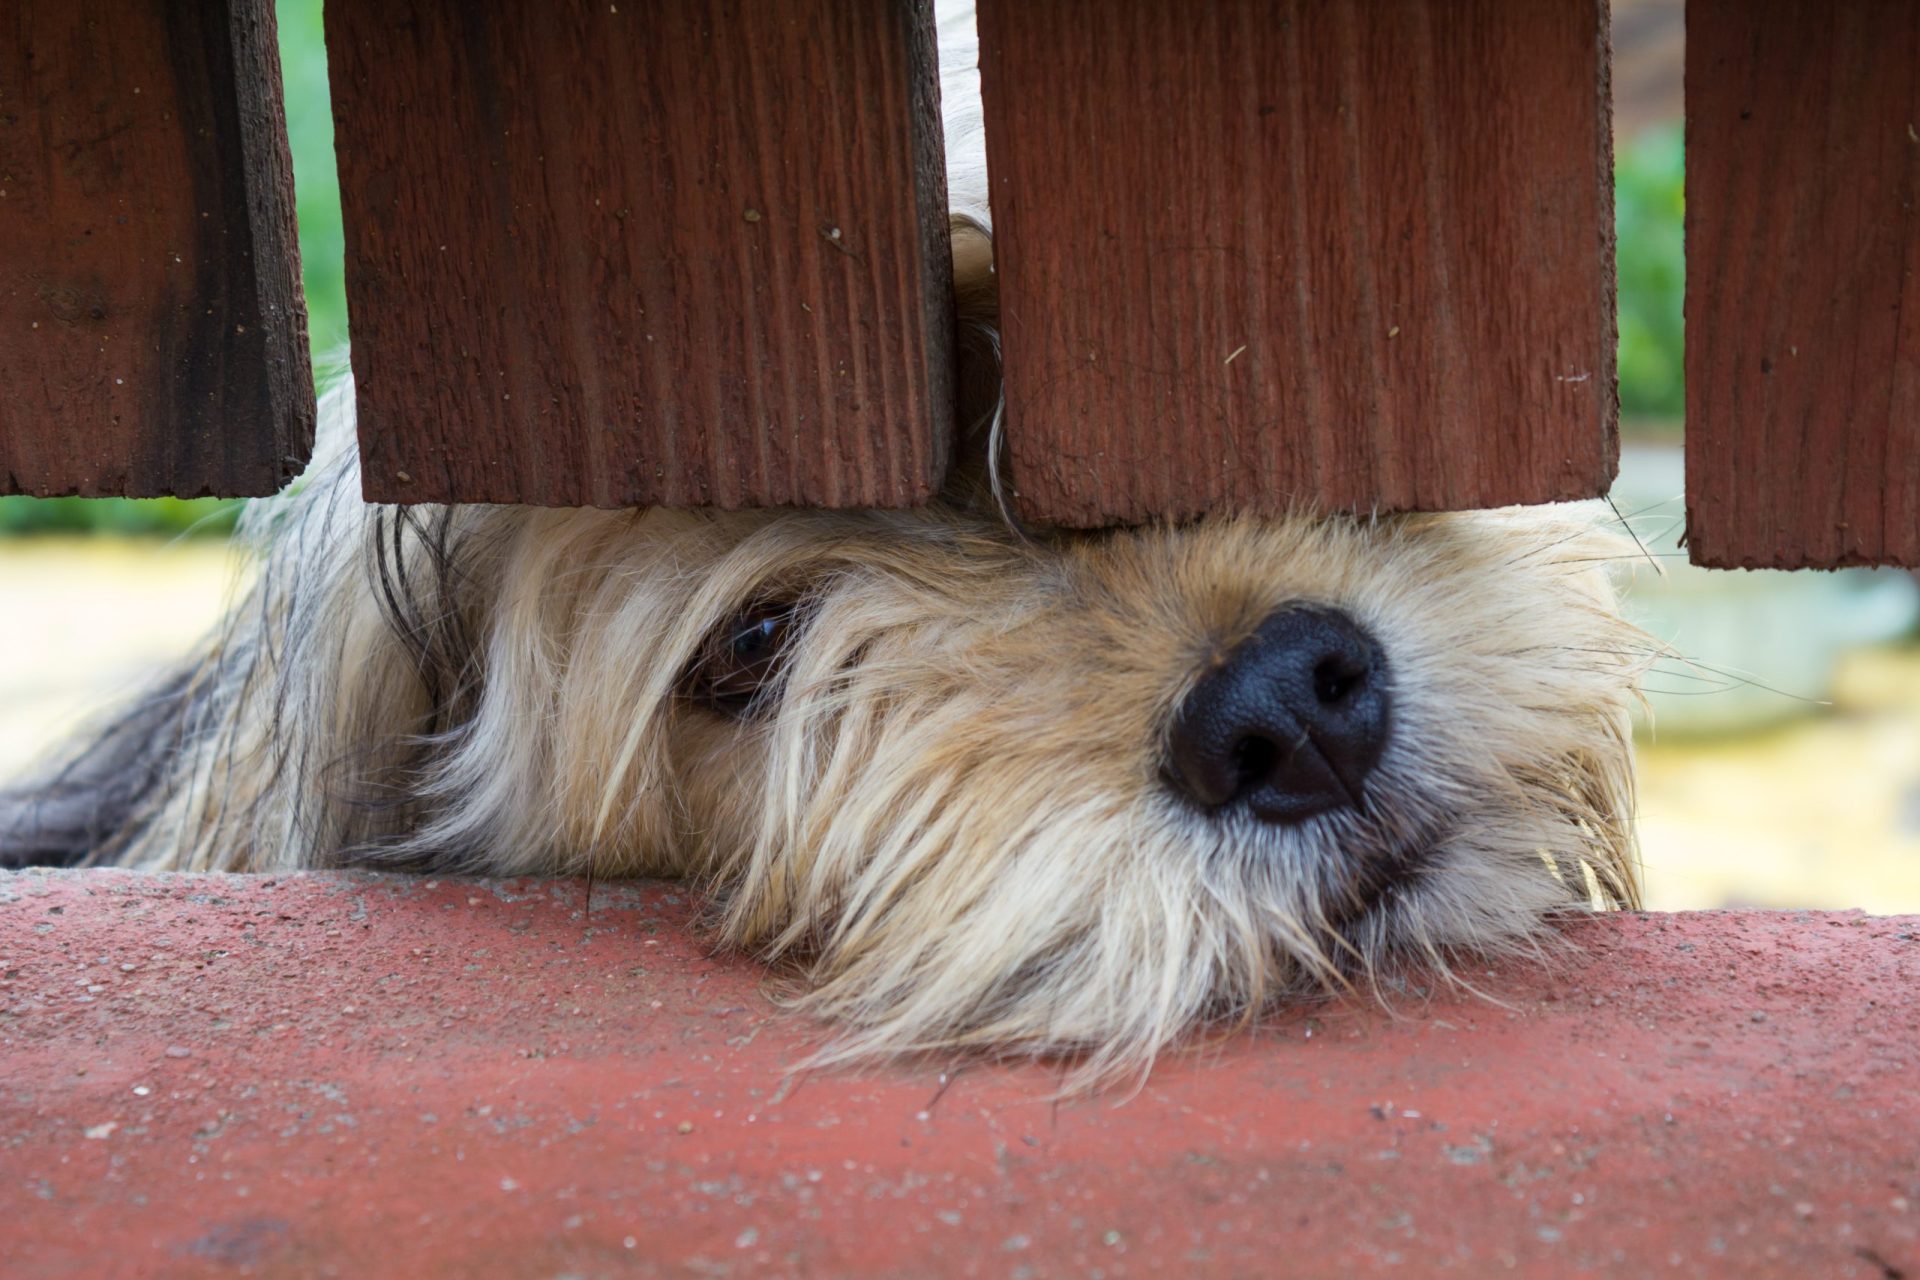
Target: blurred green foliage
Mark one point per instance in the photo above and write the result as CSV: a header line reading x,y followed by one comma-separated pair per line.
x,y
121,517
303,70
1648,201
1649,205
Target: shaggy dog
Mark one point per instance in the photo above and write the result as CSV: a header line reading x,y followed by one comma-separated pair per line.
x,y
980,787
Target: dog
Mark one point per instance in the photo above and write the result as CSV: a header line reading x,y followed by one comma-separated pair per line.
x,y
980,788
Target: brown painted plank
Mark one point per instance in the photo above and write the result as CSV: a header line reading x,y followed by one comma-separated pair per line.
x,y
1803,308
689,252
153,336
1258,252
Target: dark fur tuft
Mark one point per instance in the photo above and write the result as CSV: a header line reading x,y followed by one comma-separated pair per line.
x,y
102,799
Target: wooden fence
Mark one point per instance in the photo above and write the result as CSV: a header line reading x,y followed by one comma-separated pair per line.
x,y
1252,253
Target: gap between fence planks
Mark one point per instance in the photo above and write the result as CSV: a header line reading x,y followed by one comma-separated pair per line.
x,y
153,336
691,252
1256,254
1803,308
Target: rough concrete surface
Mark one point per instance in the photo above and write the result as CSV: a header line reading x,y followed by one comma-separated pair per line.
x,y
360,1075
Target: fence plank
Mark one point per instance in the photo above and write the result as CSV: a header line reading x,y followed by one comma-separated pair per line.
x,y
1259,252
1803,308
690,252
153,336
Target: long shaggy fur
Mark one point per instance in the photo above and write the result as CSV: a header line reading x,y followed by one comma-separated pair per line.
x,y
945,813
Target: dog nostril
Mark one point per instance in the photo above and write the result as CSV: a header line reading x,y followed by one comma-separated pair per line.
x,y
1336,678
1254,760
1290,725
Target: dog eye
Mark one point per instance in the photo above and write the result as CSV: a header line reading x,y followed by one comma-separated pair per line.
x,y
742,657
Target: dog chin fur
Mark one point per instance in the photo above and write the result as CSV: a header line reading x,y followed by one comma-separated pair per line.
x,y
944,812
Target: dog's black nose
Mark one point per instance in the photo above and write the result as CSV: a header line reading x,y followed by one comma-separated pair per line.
x,y
1289,723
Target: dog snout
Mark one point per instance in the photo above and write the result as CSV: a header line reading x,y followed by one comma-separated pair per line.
x,y
1289,723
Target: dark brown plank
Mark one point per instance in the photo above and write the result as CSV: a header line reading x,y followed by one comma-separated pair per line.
x,y
1803,308
1256,253
688,252
153,336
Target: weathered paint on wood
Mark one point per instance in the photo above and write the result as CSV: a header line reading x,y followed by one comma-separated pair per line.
x,y
1258,253
1803,307
690,252
153,336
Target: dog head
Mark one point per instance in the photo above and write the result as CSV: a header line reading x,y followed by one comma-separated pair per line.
x,y
1090,792
1076,792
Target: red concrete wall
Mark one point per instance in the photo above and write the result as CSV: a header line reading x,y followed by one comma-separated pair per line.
x,y
356,1075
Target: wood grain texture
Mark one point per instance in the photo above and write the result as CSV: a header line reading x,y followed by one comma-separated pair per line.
x,y
689,252
153,336
1260,253
1803,309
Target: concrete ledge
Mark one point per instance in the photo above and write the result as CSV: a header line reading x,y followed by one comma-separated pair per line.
x,y
359,1075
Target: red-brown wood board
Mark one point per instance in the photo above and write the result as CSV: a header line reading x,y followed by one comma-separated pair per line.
x,y
690,252
153,336
1803,309
1256,254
